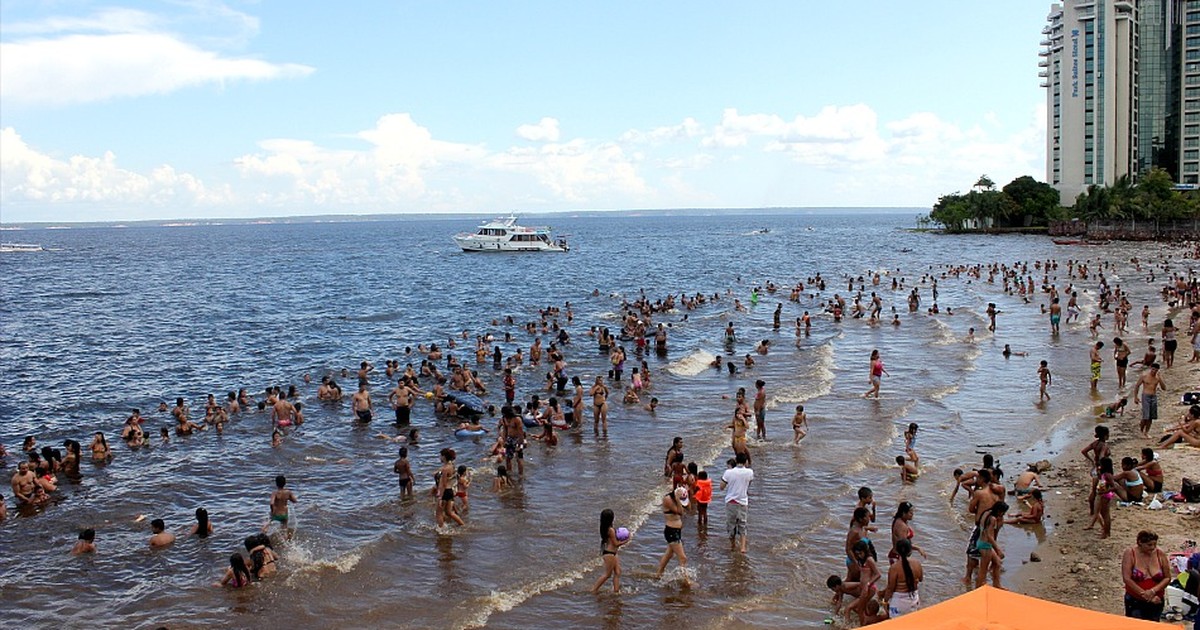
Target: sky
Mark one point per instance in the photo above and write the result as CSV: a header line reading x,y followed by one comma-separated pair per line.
x,y
208,109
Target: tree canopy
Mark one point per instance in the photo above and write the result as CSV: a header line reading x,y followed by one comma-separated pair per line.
x,y
1026,202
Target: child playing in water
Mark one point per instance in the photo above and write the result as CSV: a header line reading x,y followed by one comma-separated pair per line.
x,y
1037,509
1116,408
703,497
1046,379
461,487
500,481
966,481
799,424
908,468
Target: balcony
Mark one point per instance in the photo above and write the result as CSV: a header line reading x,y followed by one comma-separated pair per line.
x,y
1043,53
1044,74
1044,84
1045,42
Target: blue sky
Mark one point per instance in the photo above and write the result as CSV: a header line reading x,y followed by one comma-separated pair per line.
x,y
204,109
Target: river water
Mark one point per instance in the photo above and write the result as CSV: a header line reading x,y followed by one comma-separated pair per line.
x,y
113,318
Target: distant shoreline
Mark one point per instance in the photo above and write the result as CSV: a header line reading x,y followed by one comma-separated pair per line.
x,y
458,216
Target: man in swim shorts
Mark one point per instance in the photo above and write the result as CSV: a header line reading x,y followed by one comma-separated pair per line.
x,y
1055,315
1148,385
514,439
361,403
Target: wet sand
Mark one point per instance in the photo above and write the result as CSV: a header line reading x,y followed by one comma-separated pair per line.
x,y
1077,567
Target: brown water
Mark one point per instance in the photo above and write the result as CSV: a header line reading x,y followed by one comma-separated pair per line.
x,y
90,331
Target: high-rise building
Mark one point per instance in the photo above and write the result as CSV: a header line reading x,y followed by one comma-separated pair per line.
x,y
1090,69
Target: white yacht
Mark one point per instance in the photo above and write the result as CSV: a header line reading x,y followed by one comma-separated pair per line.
x,y
504,235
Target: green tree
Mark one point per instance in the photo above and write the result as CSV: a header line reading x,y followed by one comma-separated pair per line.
x,y
1155,196
1037,201
951,211
985,183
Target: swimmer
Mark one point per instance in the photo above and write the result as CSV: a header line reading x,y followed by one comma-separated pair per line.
x,y
653,406
86,542
160,538
1009,352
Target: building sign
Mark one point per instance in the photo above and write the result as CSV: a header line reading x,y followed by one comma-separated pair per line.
x,y
1074,63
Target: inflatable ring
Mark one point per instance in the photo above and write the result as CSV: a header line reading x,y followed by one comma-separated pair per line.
x,y
466,433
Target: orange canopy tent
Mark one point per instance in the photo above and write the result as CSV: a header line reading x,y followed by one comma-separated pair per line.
x,y
990,608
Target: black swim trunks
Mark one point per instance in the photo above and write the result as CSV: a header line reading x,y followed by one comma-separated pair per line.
x,y
673,534
403,415
448,494
1123,362
514,448
364,415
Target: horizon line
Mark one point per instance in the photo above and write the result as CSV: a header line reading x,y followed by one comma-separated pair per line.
x,y
364,217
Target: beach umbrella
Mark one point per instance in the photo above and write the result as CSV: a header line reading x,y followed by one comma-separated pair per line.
x,y
989,608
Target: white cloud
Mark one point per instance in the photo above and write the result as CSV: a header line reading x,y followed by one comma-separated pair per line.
x,y
29,176
839,156
118,53
689,128
545,131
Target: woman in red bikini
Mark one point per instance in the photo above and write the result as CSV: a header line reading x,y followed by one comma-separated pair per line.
x,y
1145,571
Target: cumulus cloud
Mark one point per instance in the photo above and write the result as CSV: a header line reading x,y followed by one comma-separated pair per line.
x,y
840,155
689,128
545,131
30,176
117,53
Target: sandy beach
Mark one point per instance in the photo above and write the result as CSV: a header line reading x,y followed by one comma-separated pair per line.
x,y
1078,568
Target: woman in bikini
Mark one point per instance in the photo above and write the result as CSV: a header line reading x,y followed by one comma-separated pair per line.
x,y
673,505
902,530
1146,574
237,575
1131,486
609,544
599,394
901,595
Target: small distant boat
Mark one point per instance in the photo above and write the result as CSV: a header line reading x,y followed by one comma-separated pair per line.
x,y
504,235
763,231
21,247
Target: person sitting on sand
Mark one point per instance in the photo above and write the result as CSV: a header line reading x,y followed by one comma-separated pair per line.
x,y
1037,510
1187,431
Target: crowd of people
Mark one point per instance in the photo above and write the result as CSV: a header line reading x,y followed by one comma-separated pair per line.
x,y
455,397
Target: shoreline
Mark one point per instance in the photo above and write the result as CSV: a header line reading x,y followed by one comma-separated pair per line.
x,y
1078,568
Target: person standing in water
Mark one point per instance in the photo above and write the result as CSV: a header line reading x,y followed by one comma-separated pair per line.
x,y
673,505
279,505
877,373
609,544
736,484
760,410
